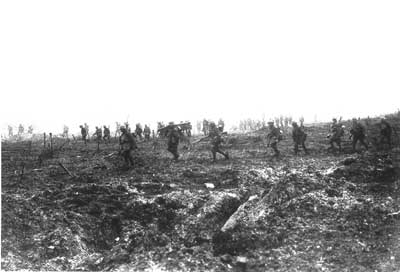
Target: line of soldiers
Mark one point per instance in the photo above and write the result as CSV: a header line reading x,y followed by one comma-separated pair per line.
x,y
98,134
358,134
174,133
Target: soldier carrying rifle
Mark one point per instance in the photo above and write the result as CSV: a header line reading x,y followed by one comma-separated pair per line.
x,y
337,132
127,145
274,137
357,133
215,135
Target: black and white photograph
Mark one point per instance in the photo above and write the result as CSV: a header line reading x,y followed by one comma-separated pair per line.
x,y
200,135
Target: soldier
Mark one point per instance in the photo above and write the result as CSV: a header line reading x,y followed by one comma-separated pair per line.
x,y
139,131
30,129
274,137
357,133
299,137
20,129
65,131
128,129
286,122
99,136
83,133
221,125
216,141
107,134
281,121
147,132
173,136
277,121
336,135
386,133
10,131
301,119
128,144
87,128
205,127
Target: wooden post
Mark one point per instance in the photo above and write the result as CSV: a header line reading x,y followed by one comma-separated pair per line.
x,y
44,140
51,142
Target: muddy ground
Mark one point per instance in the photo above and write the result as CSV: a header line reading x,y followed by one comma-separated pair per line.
x,y
317,212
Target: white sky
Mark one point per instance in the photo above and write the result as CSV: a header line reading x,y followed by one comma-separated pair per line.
x,y
69,62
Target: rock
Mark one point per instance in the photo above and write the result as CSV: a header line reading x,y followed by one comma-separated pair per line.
x,y
349,160
226,258
239,214
332,192
209,185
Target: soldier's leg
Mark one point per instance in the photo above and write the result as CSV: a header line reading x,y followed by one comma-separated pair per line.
x,y
222,153
296,147
362,141
214,154
275,148
130,154
354,143
175,151
339,143
303,144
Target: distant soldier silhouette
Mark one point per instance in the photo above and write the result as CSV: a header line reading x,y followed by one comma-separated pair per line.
x,y
99,137
139,131
173,136
205,127
221,125
386,133
146,132
20,129
65,131
336,135
276,122
30,129
216,140
274,137
357,133
87,129
10,131
107,134
128,145
84,134
301,119
299,138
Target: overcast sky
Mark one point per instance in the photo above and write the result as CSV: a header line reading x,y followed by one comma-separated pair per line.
x,y
69,62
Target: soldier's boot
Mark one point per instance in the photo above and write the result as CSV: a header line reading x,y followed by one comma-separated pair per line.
x,y
305,149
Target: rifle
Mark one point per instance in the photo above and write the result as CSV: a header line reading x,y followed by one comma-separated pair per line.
x,y
208,136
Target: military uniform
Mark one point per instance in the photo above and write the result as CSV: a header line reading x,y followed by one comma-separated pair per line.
x,y
139,131
83,133
357,132
107,134
173,137
99,134
128,144
147,133
336,135
216,141
386,133
299,138
274,137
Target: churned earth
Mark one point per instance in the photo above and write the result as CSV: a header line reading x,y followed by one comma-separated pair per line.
x,y
317,212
